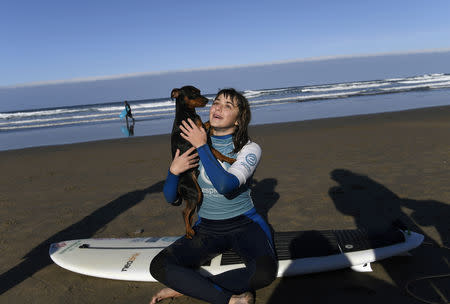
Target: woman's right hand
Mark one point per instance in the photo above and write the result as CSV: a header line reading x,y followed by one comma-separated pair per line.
x,y
183,162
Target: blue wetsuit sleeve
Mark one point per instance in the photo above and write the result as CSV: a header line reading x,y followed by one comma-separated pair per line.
x,y
223,181
170,187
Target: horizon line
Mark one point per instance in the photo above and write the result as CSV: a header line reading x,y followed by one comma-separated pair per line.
x,y
214,68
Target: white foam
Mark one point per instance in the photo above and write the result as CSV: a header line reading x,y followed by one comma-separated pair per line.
x,y
345,87
41,125
135,106
74,118
257,93
257,98
440,85
406,88
81,118
37,113
252,94
307,97
426,79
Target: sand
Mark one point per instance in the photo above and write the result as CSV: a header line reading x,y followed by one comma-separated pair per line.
x,y
340,173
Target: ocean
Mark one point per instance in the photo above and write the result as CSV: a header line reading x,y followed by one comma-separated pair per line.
x,y
73,124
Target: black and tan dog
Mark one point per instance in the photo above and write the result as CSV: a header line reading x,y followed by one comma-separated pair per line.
x,y
187,99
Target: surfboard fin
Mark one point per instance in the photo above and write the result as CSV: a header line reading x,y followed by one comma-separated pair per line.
x,y
362,267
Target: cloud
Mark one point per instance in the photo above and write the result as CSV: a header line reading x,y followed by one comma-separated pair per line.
x,y
205,69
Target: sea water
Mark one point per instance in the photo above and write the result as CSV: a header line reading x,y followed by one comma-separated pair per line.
x,y
64,125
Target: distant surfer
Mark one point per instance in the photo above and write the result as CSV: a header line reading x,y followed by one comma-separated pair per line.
x,y
128,109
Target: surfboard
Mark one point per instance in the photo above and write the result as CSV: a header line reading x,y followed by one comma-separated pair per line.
x,y
123,114
299,252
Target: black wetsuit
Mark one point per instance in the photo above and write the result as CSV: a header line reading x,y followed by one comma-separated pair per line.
x,y
246,234
128,109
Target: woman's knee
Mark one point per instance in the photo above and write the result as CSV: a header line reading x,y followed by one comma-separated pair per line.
x,y
158,266
266,272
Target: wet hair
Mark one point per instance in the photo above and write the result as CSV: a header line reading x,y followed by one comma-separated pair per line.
x,y
240,135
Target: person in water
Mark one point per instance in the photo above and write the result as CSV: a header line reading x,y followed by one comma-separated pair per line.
x,y
227,218
128,109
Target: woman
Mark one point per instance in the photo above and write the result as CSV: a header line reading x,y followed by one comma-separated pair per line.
x,y
227,217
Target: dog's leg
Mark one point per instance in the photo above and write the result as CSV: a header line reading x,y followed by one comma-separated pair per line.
x,y
191,206
197,186
198,122
188,213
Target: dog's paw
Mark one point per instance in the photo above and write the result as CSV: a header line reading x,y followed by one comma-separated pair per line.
x,y
190,234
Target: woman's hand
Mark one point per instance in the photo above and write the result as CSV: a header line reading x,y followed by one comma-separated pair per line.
x,y
184,162
193,134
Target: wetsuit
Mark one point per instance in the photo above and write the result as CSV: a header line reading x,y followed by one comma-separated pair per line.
x,y
128,109
227,220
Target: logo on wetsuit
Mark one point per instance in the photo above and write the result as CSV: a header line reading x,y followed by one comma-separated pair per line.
x,y
251,159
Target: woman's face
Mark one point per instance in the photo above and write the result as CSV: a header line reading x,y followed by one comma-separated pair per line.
x,y
223,115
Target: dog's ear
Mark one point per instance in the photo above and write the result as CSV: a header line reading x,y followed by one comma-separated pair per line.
x,y
194,90
190,90
175,93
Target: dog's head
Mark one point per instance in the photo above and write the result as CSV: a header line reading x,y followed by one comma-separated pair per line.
x,y
189,96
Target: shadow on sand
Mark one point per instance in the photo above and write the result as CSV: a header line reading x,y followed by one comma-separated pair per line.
x,y
264,196
38,257
374,208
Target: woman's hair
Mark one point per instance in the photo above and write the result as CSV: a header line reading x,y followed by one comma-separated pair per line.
x,y
240,135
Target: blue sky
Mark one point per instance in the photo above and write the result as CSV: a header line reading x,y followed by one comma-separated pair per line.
x,y
58,40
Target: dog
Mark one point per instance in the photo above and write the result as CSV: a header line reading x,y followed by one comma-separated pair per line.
x,y
187,99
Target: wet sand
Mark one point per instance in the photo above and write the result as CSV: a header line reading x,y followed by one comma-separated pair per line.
x,y
339,173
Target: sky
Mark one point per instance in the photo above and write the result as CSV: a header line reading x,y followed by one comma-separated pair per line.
x,y
46,41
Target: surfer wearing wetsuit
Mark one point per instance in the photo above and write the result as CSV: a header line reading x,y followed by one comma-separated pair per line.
x,y
226,219
128,109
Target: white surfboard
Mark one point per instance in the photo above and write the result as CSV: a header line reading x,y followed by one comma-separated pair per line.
x,y
299,252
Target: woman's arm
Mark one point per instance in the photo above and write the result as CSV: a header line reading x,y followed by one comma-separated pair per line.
x,y
246,162
170,187
223,181
180,164
237,175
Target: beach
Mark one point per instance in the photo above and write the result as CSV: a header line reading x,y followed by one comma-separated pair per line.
x,y
336,173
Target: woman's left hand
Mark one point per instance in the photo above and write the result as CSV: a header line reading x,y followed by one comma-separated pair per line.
x,y
192,133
